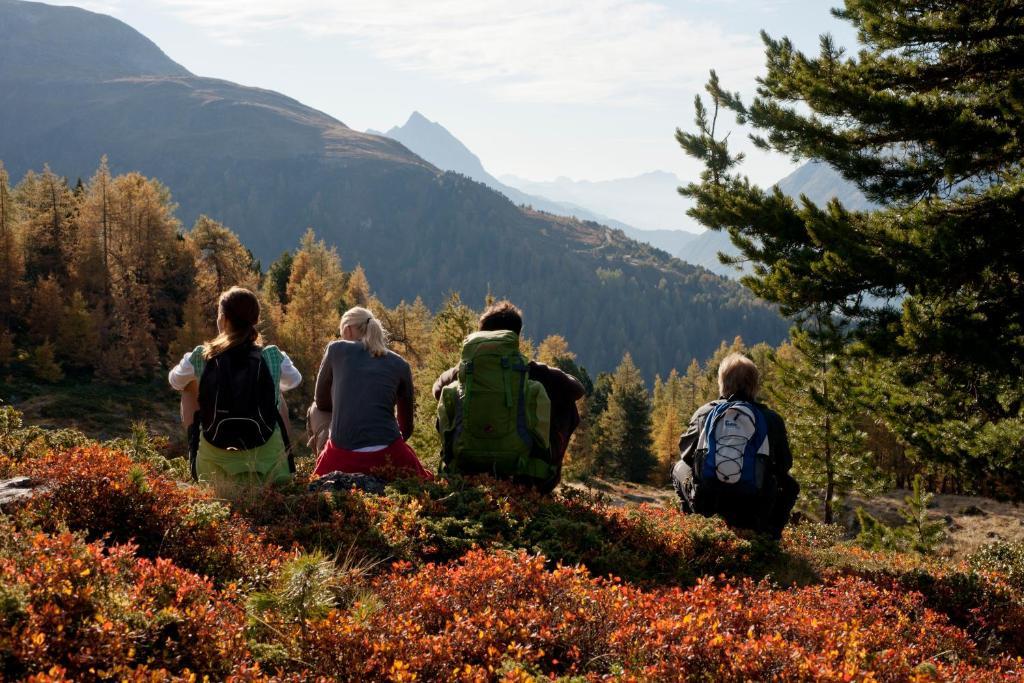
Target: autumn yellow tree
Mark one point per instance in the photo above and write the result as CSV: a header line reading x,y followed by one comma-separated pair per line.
x,y
310,320
12,263
221,261
357,291
47,209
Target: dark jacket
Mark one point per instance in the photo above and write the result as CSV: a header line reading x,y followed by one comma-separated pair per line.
x,y
780,459
562,388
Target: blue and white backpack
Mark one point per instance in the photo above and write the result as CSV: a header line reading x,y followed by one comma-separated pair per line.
x,y
733,449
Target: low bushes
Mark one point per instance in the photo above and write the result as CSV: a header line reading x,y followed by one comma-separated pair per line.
x,y
120,570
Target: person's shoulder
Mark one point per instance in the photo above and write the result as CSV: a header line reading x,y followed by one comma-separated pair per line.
x,y
343,346
769,414
397,359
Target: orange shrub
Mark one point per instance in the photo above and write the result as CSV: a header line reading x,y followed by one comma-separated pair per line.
x,y
472,619
107,495
96,610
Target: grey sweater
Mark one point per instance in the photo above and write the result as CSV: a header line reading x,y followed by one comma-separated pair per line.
x,y
362,393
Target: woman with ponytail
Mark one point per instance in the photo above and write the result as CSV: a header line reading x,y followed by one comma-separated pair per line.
x,y
362,386
231,400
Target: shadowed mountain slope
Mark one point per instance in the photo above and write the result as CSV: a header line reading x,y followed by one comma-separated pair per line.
x,y
269,167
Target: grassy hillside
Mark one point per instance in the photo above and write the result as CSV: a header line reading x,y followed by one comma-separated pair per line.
x,y
117,568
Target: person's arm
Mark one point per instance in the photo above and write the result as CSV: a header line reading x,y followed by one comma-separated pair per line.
x,y
189,403
780,452
324,381
282,408
290,375
405,402
446,378
182,377
182,374
689,439
572,386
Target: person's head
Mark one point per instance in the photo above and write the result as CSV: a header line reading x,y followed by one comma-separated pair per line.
x,y
738,376
502,315
238,316
358,324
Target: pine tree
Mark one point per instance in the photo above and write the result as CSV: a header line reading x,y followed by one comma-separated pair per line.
x,y
925,119
824,418
624,442
275,284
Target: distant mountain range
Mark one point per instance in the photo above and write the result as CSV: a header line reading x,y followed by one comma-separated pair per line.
x,y
647,200
432,141
75,85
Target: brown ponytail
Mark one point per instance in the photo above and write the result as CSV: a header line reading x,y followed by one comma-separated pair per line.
x,y
241,312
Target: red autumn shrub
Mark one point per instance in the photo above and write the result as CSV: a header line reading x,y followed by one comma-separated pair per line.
x,y
98,611
471,619
987,605
106,494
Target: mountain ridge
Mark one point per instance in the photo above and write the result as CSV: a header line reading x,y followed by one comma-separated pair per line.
x,y
269,167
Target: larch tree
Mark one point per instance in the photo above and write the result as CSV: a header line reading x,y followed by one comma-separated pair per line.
x,y
357,289
925,119
667,408
95,225
44,313
554,348
315,294
221,261
47,209
12,260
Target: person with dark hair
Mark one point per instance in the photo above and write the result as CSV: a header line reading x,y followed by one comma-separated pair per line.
x,y
563,390
735,457
231,402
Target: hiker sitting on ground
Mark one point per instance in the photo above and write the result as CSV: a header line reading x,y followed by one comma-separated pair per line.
x,y
735,457
563,390
231,402
359,387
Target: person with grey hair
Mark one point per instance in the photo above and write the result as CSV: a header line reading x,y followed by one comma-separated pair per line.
x,y
735,458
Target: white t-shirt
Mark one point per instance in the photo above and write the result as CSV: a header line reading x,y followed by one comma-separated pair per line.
x,y
184,372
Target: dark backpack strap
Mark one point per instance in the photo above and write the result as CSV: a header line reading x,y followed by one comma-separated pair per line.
x,y
283,426
193,445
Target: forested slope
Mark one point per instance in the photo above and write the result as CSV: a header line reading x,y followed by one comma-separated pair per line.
x,y
269,167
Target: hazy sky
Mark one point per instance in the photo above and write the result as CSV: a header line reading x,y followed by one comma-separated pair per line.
x,y
589,89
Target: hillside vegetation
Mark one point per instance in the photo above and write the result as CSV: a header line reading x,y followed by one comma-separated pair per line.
x,y
116,568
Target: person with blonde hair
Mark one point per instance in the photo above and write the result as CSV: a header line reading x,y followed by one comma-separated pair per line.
x,y
735,457
367,391
231,398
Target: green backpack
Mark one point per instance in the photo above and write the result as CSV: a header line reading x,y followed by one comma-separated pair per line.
x,y
495,419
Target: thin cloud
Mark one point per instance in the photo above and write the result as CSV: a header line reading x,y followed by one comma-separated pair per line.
x,y
560,51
